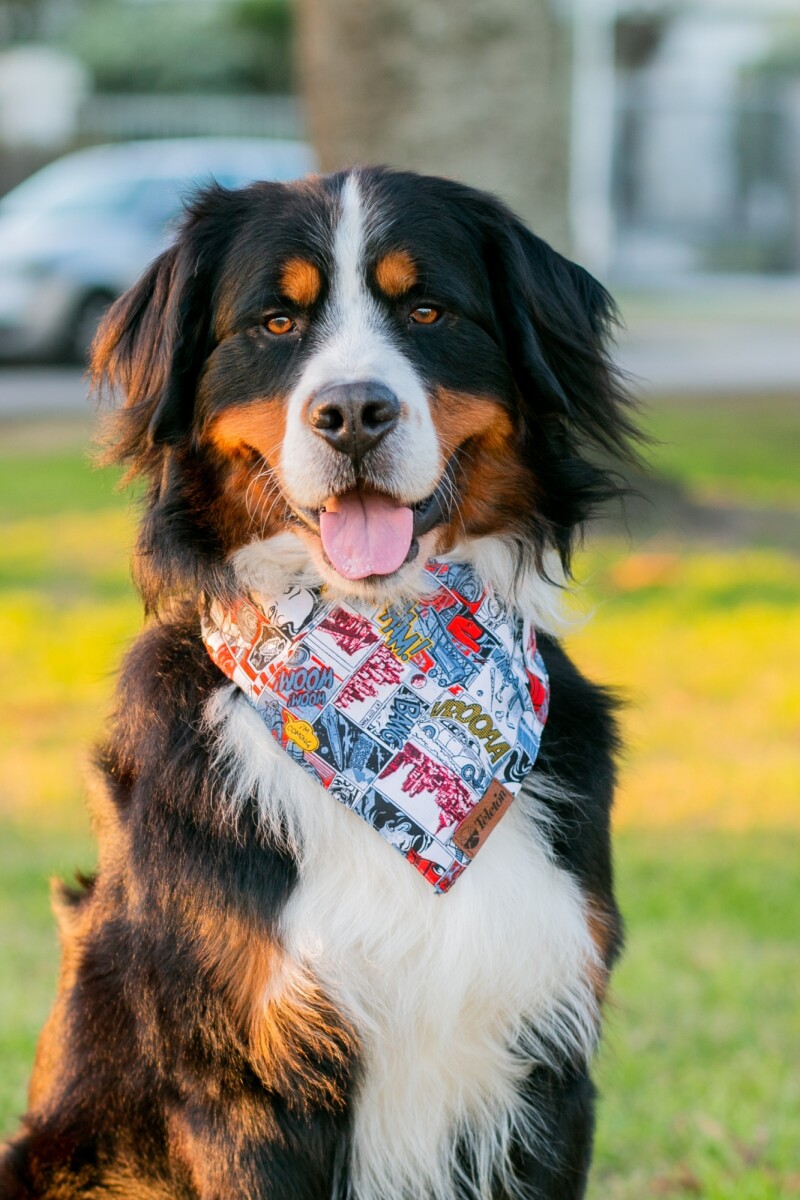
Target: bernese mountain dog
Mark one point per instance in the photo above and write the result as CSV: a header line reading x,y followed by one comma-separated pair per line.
x,y
333,388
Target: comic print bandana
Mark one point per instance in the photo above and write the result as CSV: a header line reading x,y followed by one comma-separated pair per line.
x,y
423,719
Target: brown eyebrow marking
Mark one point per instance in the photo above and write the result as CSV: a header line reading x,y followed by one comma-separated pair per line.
x,y
301,281
396,273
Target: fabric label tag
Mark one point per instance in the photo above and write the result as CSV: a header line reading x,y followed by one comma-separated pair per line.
x,y
475,828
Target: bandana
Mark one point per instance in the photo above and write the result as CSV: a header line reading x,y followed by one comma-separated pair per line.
x,y
423,719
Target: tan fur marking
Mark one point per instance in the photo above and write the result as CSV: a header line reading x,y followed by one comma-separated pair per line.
x,y
250,502
396,274
458,416
300,1029
127,1184
301,282
259,426
300,1045
497,488
600,931
239,960
208,1158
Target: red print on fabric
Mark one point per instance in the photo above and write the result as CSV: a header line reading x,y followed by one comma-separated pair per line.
x,y
467,632
432,871
439,601
538,692
423,660
380,669
224,659
350,631
452,797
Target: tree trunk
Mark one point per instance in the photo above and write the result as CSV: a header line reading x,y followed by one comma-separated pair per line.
x,y
474,89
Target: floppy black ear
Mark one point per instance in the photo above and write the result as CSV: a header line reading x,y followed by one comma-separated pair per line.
x,y
153,341
556,322
150,349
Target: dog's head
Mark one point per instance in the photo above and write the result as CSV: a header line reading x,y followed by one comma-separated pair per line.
x,y
387,366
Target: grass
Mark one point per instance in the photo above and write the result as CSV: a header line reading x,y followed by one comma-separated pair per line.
x,y
698,1070
705,647
30,854
701,1094
742,449
67,611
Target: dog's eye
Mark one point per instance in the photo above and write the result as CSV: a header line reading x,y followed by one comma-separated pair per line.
x,y
279,324
426,314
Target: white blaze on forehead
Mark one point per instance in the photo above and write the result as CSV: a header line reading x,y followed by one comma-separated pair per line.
x,y
355,343
352,313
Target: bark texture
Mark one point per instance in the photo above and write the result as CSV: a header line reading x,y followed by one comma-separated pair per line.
x,y
473,89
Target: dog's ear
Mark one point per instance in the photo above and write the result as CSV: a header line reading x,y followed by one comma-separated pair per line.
x,y
555,322
149,351
152,343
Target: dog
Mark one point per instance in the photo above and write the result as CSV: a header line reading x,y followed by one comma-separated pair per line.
x,y
330,387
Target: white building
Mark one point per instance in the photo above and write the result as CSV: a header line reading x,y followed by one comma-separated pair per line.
x,y
685,158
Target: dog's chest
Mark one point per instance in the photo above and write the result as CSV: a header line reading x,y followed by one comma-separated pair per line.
x,y
448,995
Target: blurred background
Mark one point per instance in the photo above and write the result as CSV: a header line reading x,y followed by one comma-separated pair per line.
x,y
658,142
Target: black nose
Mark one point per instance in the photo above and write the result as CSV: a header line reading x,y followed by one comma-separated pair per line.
x,y
353,417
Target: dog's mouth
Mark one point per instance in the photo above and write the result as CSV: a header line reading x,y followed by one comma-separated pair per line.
x,y
365,532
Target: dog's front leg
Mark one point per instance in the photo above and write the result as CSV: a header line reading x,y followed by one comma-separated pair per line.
x,y
254,1153
551,1155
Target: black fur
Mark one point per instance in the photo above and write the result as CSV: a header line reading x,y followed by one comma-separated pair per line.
x,y
524,325
147,1083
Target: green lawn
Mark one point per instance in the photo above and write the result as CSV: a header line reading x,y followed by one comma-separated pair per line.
x,y
742,448
30,854
698,1070
701,1092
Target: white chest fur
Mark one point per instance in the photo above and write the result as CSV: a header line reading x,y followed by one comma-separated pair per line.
x,y
449,994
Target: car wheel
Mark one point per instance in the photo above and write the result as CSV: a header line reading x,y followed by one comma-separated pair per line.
x,y
84,326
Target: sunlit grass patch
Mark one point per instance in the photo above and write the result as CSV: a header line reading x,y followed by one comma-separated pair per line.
x,y
700,1091
30,854
69,555
705,647
34,484
59,658
67,613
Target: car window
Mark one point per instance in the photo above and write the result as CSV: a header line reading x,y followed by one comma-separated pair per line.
x,y
159,202
105,196
90,182
70,194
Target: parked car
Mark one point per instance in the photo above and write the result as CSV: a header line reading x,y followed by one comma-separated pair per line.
x,y
79,232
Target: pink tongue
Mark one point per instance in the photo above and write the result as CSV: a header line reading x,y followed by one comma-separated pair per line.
x,y
365,534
